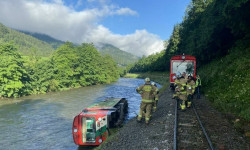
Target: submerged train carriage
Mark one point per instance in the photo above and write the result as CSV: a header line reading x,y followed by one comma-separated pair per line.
x,y
180,64
91,126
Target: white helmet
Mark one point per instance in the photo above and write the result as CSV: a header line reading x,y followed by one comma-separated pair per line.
x,y
178,74
147,80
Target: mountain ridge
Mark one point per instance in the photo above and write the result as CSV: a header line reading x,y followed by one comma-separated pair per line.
x,y
26,44
121,57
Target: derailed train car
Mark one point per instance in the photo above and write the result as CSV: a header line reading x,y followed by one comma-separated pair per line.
x,y
91,126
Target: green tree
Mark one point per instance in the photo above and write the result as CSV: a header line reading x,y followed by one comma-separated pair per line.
x,y
13,76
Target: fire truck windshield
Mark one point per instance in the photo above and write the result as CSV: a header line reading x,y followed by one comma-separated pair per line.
x,y
183,66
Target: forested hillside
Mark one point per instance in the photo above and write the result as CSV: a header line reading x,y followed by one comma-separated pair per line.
x,y
69,66
121,57
154,62
46,38
26,44
217,33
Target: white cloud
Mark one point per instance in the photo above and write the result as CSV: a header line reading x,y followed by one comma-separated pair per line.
x,y
64,23
139,43
126,11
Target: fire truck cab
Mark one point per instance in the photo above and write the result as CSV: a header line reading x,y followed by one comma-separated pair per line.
x,y
182,64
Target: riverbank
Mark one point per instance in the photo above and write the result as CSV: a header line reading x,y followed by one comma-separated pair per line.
x,y
159,133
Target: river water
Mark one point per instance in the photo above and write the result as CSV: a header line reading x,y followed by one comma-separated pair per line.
x,y
44,122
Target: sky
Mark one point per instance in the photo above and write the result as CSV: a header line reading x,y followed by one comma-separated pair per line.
x,y
139,27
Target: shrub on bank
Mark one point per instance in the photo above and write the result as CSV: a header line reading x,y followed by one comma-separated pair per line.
x,y
226,82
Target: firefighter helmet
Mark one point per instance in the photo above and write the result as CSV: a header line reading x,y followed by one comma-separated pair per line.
x,y
147,80
178,74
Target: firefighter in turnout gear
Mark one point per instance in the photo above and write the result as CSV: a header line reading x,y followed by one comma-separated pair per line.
x,y
182,89
148,93
176,83
190,90
156,98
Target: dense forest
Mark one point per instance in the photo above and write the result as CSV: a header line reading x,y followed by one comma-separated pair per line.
x,y
217,33
69,66
33,63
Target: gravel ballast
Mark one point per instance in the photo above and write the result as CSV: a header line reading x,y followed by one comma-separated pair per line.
x,y
160,132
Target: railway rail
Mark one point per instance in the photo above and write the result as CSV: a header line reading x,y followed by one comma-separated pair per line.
x,y
189,133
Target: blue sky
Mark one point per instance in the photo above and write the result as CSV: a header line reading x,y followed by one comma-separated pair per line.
x,y
135,26
156,17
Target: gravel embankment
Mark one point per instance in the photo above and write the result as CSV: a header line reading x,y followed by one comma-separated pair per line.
x,y
159,133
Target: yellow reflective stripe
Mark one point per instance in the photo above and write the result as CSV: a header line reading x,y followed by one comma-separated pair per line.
x,y
183,92
147,101
139,116
146,119
147,88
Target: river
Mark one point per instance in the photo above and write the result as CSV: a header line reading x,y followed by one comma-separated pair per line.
x,y
44,122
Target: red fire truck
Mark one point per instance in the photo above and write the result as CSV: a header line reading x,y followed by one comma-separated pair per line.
x,y
180,64
91,126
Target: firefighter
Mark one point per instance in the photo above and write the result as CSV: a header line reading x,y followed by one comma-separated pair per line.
x,y
148,93
198,86
156,98
185,76
190,90
182,89
176,83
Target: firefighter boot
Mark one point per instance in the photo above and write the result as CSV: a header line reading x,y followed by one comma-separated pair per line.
x,y
147,121
183,105
189,104
139,119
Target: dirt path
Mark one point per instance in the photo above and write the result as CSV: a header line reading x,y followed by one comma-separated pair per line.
x,y
159,133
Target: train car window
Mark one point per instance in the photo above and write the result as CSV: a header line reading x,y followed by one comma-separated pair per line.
x,y
183,66
88,130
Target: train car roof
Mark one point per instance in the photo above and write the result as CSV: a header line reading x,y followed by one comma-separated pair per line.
x,y
101,107
107,103
180,57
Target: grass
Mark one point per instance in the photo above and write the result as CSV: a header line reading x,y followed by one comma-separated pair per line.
x,y
159,77
226,83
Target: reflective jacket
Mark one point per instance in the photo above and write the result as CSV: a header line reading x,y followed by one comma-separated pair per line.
x,y
198,82
190,87
147,92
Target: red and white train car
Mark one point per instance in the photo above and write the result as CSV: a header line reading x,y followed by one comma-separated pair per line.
x,y
91,126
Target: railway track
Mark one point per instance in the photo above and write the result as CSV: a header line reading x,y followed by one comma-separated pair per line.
x,y
189,133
